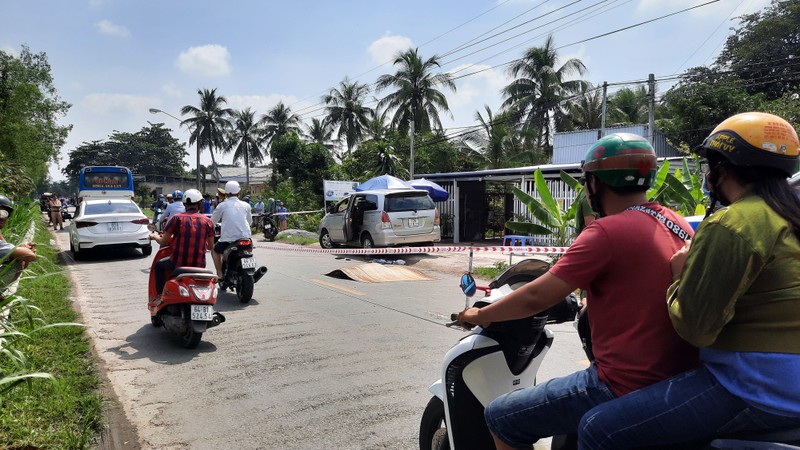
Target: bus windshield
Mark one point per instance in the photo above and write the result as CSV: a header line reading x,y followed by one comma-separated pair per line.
x,y
105,182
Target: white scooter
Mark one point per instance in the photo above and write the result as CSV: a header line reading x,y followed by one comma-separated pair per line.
x,y
505,356
488,362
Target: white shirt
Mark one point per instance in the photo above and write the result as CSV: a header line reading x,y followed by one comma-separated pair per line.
x,y
235,219
173,208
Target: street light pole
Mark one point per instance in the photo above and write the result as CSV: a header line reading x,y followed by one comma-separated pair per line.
x,y
197,177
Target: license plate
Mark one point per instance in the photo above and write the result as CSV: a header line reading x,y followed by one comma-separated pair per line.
x,y
268,226
114,226
413,222
202,312
248,263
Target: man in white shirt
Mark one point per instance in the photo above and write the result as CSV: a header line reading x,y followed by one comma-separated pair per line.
x,y
175,207
234,218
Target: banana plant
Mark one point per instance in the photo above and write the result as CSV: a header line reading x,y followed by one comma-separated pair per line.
x,y
555,220
682,191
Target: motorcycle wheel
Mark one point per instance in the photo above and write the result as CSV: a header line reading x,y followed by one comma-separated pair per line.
x,y
244,287
156,321
432,428
190,338
269,234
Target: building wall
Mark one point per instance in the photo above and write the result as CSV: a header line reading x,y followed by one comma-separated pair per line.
x,y
571,146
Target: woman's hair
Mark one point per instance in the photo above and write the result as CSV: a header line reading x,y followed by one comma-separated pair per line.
x,y
772,186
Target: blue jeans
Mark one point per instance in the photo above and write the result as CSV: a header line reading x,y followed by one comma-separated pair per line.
x,y
689,407
555,407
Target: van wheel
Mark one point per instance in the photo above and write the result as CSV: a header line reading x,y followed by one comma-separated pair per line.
x,y
367,242
325,240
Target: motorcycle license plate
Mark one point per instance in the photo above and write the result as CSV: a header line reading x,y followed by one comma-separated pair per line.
x,y
248,263
202,312
267,226
114,226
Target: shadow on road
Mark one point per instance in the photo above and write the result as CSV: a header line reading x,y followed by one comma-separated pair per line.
x,y
159,346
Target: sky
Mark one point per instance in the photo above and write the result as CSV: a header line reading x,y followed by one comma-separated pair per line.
x,y
113,60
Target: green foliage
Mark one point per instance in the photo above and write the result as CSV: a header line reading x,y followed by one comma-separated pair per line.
x,y
305,164
554,218
55,402
490,273
298,197
14,181
29,111
150,151
683,191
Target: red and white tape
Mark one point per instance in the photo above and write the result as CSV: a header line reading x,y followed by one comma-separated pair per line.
x,y
416,250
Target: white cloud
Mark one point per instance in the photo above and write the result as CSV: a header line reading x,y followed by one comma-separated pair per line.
x,y
9,50
108,28
474,92
104,104
720,10
171,90
385,49
206,60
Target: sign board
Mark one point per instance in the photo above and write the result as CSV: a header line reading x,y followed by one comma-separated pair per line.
x,y
334,190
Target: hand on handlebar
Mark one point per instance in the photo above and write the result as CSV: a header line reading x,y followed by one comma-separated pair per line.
x,y
468,318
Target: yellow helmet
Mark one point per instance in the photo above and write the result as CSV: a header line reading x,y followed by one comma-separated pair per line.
x,y
755,139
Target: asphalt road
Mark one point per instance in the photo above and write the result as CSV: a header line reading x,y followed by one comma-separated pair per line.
x,y
312,362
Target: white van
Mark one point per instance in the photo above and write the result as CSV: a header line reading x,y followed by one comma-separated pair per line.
x,y
381,218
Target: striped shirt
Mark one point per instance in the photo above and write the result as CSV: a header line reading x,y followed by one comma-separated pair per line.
x,y
190,232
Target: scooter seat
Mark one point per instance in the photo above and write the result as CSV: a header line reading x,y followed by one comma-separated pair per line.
x,y
190,270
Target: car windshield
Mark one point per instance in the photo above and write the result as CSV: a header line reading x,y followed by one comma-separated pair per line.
x,y
111,208
396,203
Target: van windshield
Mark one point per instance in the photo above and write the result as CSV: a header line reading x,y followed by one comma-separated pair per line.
x,y
415,202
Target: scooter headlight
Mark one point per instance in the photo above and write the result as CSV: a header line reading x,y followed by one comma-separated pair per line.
x,y
183,291
203,292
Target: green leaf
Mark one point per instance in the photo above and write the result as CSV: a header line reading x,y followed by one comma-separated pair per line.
x,y
547,197
536,208
528,228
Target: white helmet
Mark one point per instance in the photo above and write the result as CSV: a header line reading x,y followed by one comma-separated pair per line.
x,y
192,196
232,187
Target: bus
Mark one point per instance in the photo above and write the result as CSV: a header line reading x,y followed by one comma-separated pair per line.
x,y
105,182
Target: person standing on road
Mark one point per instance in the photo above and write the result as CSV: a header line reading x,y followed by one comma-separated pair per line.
x,y
281,213
259,206
13,258
736,296
623,260
55,212
235,220
189,234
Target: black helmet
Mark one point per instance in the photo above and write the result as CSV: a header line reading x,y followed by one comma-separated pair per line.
x,y
7,204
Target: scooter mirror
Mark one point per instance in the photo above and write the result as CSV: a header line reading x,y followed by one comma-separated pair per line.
x,y
468,285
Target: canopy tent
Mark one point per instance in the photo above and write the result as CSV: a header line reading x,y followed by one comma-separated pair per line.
x,y
383,182
437,193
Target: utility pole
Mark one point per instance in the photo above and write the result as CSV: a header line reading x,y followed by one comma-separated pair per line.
x,y
411,171
603,116
651,83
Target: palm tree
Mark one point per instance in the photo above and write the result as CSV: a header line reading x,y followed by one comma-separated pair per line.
x,y
498,141
417,98
207,124
345,109
584,112
279,121
246,140
628,106
540,86
319,132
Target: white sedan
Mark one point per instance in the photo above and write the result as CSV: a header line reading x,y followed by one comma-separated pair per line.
x,y
109,223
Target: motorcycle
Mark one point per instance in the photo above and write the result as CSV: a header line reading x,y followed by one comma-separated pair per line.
x,y
506,356
239,271
186,306
65,214
268,226
159,226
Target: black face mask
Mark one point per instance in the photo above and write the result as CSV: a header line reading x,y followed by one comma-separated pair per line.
x,y
594,197
711,182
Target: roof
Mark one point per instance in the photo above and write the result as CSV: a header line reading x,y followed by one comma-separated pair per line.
x,y
239,173
506,173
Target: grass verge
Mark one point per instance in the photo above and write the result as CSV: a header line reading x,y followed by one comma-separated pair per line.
x,y
297,240
490,273
67,411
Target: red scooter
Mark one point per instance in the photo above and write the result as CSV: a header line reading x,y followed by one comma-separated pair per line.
x,y
186,307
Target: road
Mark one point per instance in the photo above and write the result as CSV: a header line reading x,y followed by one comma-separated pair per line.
x,y
312,362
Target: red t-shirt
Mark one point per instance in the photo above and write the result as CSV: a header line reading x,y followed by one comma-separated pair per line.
x,y
623,262
190,232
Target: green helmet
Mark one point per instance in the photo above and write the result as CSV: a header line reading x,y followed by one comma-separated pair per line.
x,y
621,159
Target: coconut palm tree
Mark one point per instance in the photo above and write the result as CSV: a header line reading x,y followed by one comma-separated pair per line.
x,y
207,124
539,87
280,120
417,96
498,141
628,106
319,132
246,138
584,112
346,111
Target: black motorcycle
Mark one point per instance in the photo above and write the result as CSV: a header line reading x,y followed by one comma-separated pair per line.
x,y
268,226
239,272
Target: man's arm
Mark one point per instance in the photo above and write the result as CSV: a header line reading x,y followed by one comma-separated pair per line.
x,y
216,215
25,252
534,297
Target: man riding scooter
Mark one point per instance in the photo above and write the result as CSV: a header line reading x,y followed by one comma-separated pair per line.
x,y
234,218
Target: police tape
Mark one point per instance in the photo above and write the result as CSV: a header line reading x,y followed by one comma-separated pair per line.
x,y
417,250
